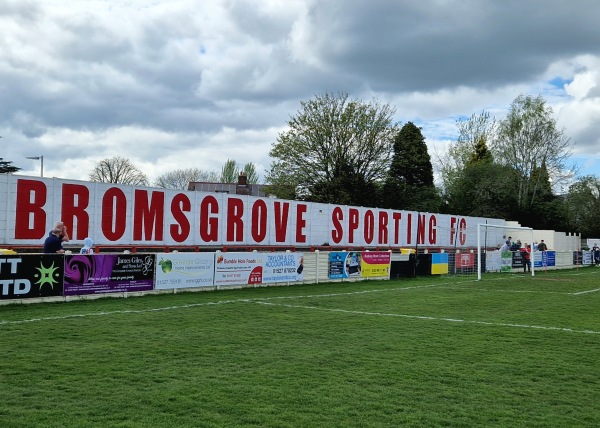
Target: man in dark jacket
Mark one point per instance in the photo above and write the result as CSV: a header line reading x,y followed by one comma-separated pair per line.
x,y
53,243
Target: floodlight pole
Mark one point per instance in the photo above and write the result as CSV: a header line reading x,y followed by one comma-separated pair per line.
x,y
41,159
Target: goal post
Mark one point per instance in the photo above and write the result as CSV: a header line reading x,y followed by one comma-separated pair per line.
x,y
511,228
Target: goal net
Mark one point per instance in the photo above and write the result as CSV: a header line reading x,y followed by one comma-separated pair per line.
x,y
504,259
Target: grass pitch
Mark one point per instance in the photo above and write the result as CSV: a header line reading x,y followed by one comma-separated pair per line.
x,y
507,351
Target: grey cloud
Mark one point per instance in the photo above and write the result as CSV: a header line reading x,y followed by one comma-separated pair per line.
x,y
413,45
189,69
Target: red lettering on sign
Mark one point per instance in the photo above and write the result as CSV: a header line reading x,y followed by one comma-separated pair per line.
x,y
301,223
397,216
409,228
148,218
181,230
432,230
382,238
282,210
209,224
114,214
369,228
352,224
235,222
258,228
421,229
75,201
337,234
462,236
30,217
453,221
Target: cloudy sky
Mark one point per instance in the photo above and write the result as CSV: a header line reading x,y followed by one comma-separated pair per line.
x,y
174,84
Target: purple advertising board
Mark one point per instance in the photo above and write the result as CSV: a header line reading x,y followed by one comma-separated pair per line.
x,y
31,275
108,273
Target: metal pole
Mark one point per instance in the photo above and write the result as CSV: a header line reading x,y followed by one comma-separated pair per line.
x,y
41,159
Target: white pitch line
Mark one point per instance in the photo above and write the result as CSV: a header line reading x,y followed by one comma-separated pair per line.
x,y
194,305
491,290
258,299
585,292
429,318
122,312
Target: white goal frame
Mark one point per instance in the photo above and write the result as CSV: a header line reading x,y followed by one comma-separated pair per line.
x,y
497,226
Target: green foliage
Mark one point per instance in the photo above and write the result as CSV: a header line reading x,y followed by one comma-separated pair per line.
x,y
7,167
229,172
409,185
507,169
544,210
347,187
481,153
251,174
583,204
527,139
478,129
484,190
333,145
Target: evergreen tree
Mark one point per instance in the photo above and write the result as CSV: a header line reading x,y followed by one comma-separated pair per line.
x,y
481,153
583,204
483,189
7,167
409,185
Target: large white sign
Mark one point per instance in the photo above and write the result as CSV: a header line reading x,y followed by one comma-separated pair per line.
x,y
258,268
126,215
181,270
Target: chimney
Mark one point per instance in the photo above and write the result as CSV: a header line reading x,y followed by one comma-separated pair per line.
x,y
242,187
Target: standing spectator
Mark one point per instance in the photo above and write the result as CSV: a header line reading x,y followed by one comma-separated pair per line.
x,y
53,243
542,246
516,246
526,254
596,252
506,246
88,243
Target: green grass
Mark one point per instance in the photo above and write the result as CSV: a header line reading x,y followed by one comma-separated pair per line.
x,y
508,351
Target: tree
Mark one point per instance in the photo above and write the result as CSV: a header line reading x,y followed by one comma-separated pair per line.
x,y
409,184
481,154
477,130
347,187
229,172
528,138
118,170
251,174
7,167
583,204
483,189
181,178
332,144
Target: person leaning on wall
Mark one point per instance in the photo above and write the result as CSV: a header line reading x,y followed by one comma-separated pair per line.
x,y
542,246
53,243
64,235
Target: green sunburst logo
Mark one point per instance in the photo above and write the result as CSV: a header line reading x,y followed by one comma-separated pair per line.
x,y
46,275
